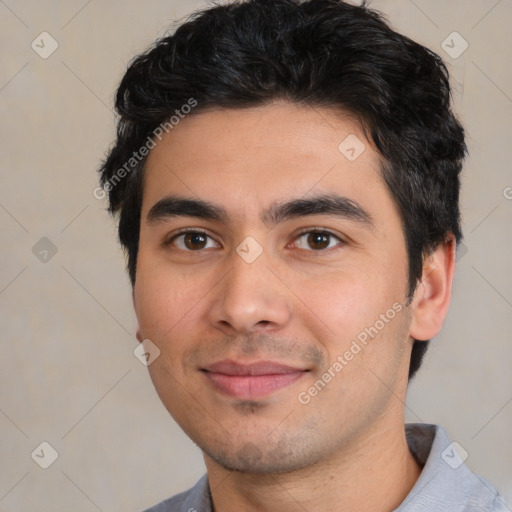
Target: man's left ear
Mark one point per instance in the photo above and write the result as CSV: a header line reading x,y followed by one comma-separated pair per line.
x,y
432,295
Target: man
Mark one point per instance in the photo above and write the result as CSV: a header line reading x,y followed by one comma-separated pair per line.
x,y
286,177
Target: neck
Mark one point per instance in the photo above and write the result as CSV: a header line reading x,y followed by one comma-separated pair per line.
x,y
376,472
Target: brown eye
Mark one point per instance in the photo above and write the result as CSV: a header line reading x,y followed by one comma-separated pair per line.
x,y
192,241
317,240
195,241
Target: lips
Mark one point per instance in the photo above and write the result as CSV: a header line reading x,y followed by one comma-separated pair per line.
x,y
250,381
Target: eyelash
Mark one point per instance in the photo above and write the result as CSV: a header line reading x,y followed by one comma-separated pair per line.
x,y
322,231
299,235
185,232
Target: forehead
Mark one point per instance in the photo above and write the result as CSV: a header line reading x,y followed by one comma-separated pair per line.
x,y
249,158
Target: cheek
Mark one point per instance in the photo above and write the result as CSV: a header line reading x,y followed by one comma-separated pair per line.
x,y
339,298
341,307
166,309
164,300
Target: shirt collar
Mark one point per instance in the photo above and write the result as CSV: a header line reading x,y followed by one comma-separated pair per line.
x,y
444,485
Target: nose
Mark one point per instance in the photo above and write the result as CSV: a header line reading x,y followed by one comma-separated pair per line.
x,y
250,298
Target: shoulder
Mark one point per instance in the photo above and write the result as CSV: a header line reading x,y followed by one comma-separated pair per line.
x,y
446,483
499,504
196,499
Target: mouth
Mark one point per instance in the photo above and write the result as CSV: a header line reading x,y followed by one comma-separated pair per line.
x,y
251,381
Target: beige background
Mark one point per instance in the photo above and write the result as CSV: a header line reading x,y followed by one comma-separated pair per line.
x,y
68,373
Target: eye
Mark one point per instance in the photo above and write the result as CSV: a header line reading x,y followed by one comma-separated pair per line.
x,y
318,240
191,241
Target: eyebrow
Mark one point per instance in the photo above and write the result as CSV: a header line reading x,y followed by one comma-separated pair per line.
x,y
326,204
175,206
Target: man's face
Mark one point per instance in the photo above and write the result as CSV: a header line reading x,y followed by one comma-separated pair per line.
x,y
243,335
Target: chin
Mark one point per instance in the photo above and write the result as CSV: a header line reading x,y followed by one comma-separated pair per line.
x,y
263,456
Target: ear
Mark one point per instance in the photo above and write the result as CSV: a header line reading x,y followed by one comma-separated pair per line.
x,y
138,334
432,295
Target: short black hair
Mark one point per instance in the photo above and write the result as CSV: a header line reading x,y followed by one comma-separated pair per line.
x,y
322,53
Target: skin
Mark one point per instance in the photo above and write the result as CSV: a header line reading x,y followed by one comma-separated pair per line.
x,y
295,304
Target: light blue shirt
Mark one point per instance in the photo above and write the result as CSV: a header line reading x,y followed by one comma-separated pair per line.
x,y
446,484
